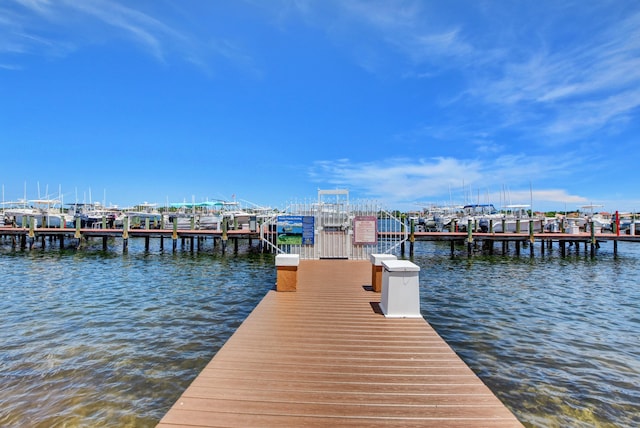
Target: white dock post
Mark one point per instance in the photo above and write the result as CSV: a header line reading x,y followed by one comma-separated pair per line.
x,y
400,289
287,272
376,269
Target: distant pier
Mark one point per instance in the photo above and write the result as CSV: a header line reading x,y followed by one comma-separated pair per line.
x,y
475,242
26,238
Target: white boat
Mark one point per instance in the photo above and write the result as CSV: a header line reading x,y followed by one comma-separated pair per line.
x,y
44,212
436,218
514,214
18,213
482,214
600,221
181,220
629,224
92,215
141,213
210,221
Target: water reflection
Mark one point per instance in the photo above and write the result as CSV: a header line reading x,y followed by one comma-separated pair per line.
x,y
555,338
95,338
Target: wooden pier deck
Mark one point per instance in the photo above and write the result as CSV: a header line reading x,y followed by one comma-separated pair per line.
x,y
325,356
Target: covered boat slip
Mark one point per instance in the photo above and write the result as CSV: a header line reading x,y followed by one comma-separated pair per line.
x,y
325,355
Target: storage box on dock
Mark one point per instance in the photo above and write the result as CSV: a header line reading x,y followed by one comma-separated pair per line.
x,y
376,269
573,229
400,289
287,272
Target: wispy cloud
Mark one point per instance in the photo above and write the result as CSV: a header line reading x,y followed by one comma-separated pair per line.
x,y
59,27
539,78
576,90
140,27
384,35
402,181
44,25
12,67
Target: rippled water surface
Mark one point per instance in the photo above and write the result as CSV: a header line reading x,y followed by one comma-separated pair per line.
x,y
557,339
97,339
93,338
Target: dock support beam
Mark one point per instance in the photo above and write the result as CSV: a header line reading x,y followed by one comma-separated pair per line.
x,y
174,235
225,237
125,234
469,238
412,237
593,239
531,238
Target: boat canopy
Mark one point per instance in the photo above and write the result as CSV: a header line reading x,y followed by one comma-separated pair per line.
x,y
207,204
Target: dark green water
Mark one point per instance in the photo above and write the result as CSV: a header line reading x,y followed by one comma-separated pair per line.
x,y
93,338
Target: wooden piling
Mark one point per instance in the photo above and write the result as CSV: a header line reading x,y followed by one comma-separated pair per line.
x,y
174,235
531,238
593,239
225,226
125,234
469,238
412,237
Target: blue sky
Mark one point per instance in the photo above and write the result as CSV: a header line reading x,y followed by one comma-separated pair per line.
x,y
407,103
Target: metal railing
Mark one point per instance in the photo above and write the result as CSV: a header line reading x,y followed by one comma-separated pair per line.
x,y
340,230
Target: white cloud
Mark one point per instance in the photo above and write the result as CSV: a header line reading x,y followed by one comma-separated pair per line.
x,y
60,27
575,91
502,180
560,88
141,27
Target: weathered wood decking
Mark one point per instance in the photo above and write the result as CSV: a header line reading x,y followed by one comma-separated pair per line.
x,y
325,356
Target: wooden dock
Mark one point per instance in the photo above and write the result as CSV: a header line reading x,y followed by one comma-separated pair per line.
x,y
326,356
24,237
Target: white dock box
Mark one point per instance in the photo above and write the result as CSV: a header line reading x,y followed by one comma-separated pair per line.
x,y
287,272
400,289
376,269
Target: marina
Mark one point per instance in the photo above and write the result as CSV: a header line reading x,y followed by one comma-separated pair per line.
x,y
481,228
110,338
369,354
319,214
264,239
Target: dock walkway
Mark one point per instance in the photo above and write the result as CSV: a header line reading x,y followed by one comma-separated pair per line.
x,y
325,356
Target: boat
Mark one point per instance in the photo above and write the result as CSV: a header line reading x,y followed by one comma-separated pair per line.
x,y
600,221
142,213
93,215
482,214
629,223
44,213
517,217
194,215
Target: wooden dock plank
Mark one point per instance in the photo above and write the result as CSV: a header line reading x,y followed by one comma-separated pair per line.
x,y
324,356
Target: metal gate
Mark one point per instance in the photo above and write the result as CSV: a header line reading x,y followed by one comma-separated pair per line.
x,y
333,225
340,229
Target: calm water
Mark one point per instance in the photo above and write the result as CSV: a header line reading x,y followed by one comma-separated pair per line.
x,y
92,338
